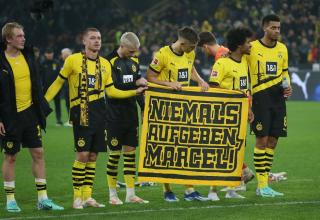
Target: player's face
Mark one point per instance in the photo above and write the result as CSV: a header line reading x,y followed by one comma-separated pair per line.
x,y
92,41
246,47
18,39
187,46
129,51
206,49
272,30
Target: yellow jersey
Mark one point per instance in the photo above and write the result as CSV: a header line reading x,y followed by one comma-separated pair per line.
x,y
230,74
72,70
173,67
267,65
22,81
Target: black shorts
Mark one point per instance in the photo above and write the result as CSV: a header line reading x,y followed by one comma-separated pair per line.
x,y
27,132
122,134
270,117
89,139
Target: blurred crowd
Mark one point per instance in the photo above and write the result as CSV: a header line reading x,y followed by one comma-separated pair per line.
x,y
59,25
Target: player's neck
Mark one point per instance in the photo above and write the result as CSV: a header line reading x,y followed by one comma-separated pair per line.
x,y
91,54
12,51
215,49
176,48
267,41
119,52
236,55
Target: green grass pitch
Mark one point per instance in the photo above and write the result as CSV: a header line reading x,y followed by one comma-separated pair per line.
x,y
298,155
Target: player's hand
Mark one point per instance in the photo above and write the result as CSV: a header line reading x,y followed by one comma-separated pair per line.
x,y
204,86
140,90
287,92
250,116
141,82
175,85
2,130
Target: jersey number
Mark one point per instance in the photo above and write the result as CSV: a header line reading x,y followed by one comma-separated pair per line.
x,y
183,75
91,81
271,68
243,82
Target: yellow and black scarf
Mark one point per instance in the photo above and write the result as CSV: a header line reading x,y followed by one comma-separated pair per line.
x,y
83,91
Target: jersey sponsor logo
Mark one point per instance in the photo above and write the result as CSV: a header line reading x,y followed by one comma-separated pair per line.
x,y
127,78
214,74
243,82
155,61
91,81
271,68
183,75
81,142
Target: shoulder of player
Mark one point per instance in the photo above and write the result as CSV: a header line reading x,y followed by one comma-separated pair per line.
x,y
281,45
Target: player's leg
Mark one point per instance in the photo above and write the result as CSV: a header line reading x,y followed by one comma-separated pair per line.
x,y
31,138
98,144
130,142
10,149
82,140
114,144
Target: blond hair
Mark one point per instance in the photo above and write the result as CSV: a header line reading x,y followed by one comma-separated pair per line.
x,y
7,30
130,39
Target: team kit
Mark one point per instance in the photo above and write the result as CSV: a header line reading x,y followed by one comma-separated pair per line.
x,y
104,94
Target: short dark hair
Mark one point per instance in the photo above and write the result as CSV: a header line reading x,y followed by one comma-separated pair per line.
x,y
189,34
237,37
206,38
90,29
272,17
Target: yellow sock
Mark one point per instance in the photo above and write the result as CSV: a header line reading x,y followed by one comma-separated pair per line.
x,y
167,187
41,185
129,168
259,165
189,189
78,175
269,159
90,172
9,188
112,168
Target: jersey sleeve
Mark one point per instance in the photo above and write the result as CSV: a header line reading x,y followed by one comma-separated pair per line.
x,y
66,70
285,70
158,62
217,73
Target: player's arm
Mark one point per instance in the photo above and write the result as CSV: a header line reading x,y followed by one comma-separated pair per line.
x,y
158,63
54,88
58,83
113,92
216,75
197,78
285,75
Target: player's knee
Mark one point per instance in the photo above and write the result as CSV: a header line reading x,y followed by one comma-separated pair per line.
x,y
11,159
93,157
37,154
272,143
128,149
261,143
